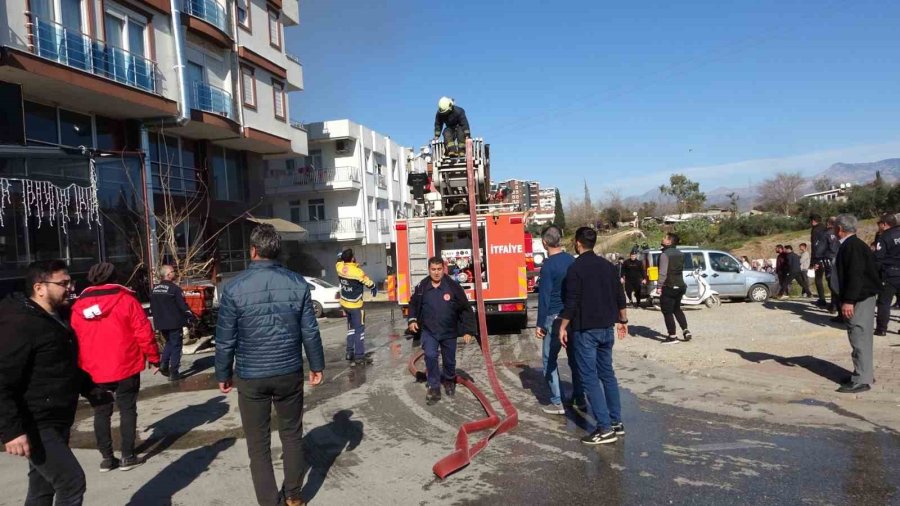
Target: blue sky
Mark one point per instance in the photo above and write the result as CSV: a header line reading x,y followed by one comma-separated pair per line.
x,y
621,94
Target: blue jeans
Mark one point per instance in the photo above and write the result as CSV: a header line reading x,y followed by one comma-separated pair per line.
x,y
447,347
356,332
552,347
594,357
171,353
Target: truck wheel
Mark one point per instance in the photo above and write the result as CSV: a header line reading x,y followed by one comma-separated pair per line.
x,y
320,312
758,293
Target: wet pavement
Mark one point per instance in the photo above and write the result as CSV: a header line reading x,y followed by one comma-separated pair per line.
x,y
370,437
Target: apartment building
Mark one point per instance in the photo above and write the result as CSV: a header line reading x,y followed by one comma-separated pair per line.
x,y
179,100
347,193
525,194
547,198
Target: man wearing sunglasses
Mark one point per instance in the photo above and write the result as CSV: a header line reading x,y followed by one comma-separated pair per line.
x,y
39,385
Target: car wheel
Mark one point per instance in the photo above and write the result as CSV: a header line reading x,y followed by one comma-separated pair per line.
x,y
320,311
759,293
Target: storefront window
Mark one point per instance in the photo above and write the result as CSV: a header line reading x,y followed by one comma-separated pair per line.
x,y
75,129
40,123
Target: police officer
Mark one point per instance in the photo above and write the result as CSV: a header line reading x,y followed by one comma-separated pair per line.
x,y
887,258
440,309
170,314
457,131
354,282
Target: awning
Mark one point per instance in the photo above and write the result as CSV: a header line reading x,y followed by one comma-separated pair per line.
x,y
289,231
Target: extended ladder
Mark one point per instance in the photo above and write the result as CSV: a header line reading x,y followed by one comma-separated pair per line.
x,y
449,176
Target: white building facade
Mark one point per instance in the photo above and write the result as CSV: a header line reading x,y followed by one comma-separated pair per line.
x,y
347,193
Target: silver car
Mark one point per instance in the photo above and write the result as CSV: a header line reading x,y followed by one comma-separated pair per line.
x,y
723,272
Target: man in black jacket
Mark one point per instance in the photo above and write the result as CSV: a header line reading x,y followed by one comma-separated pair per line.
x,y
39,385
440,309
858,285
887,256
594,303
457,131
633,274
170,314
671,288
795,273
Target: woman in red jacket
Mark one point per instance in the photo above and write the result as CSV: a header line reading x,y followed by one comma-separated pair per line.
x,y
114,339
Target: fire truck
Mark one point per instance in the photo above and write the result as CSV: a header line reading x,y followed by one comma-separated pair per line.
x,y
441,226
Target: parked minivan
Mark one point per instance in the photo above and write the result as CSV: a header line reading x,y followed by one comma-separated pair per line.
x,y
722,270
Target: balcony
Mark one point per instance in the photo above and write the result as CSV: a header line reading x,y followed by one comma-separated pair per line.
x,y
210,11
212,99
344,229
73,49
384,226
308,179
294,73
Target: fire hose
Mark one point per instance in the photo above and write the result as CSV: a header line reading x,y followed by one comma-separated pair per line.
x,y
463,452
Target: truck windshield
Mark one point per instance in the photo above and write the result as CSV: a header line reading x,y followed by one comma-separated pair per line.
x,y
453,243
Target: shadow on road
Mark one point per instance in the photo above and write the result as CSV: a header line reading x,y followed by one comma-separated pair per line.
x,y
179,474
823,368
323,445
533,379
168,430
646,332
200,365
805,310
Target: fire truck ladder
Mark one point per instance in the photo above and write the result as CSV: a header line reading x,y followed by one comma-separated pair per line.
x,y
450,177
418,248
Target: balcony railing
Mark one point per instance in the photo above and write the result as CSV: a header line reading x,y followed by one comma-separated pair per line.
x,y
333,229
312,177
384,226
210,11
294,58
298,125
213,99
74,49
381,180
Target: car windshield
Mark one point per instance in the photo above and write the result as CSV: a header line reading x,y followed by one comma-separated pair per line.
x,y
322,283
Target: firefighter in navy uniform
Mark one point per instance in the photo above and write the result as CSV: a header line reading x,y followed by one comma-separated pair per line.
x,y
354,283
887,258
457,127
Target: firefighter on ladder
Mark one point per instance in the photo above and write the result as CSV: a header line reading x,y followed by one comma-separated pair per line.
x,y
353,283
457,127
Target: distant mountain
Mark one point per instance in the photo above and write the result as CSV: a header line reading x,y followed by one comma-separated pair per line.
x,y
862,172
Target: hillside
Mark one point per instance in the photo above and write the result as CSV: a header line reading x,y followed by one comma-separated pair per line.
x,y
764,247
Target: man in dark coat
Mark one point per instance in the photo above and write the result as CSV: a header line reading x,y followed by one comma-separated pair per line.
x,y
887,255
454,118
440,309
858,286
633,277
170,314
795,273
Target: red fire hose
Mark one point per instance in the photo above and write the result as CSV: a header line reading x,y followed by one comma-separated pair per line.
x,y
463,453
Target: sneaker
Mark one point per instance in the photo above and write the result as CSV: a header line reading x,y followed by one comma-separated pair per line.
x,y
600,437
363,361
450,388
687,335
554,409
129,463
784,297
670,340
433,395
619,428
349,356
109,464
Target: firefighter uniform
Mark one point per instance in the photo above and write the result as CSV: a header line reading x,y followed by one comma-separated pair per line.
x,y
887,256
354,283
456,131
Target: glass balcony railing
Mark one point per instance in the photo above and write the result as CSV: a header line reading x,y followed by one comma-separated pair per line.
x,y
77,50
210,11
212,99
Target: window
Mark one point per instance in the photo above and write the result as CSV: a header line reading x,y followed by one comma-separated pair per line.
x,y
228,174
295,211
694,260
75,129
110,133
40,123
274,29
243,14
373,209
316,209
173,164
278,93
315,158
720,262
369,168
248,87
395,169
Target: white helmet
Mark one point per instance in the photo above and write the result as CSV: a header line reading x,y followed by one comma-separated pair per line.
x,y
445,104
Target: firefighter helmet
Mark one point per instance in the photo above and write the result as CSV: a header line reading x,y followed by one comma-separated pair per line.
x,y
445,104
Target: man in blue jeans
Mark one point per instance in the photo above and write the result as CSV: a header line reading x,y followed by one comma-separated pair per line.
x,y
550,304
594,303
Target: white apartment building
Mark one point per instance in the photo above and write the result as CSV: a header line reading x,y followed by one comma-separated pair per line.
x,y
548,198
347,193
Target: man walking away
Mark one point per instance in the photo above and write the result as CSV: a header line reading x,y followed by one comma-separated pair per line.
x,y
440,309
457,127
782,270
633,277
115,339
550,304
805,259
820,239
672,288
795,273
265,315
39,385
354,282
887,257
170,314
858,286
595,301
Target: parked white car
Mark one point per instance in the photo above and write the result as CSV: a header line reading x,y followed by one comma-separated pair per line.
x,y
326,297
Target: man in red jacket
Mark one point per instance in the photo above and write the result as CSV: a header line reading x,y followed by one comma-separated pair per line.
x,y
115,339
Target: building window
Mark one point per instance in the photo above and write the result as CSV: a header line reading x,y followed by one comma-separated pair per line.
x,y
40,123
295,211
243,14
369,167
228,174
274,29
280,106
173,165
316,209
395,169
75,129
248,87
373,209
314,159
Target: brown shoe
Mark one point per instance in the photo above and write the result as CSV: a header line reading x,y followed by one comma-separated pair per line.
x,y
294,502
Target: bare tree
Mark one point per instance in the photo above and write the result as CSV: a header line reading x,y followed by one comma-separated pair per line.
x,y
782,192
823,183
580,214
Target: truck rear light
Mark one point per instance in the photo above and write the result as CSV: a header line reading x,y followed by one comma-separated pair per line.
x,y
509,308
515,220
400,226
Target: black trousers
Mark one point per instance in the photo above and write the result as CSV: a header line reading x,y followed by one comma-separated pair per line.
x,y
823,275
126,394
53,470
889,289
670,304
255,400
633,290
454,140
800,278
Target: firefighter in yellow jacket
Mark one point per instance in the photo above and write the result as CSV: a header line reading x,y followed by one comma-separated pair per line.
x,y
354,283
